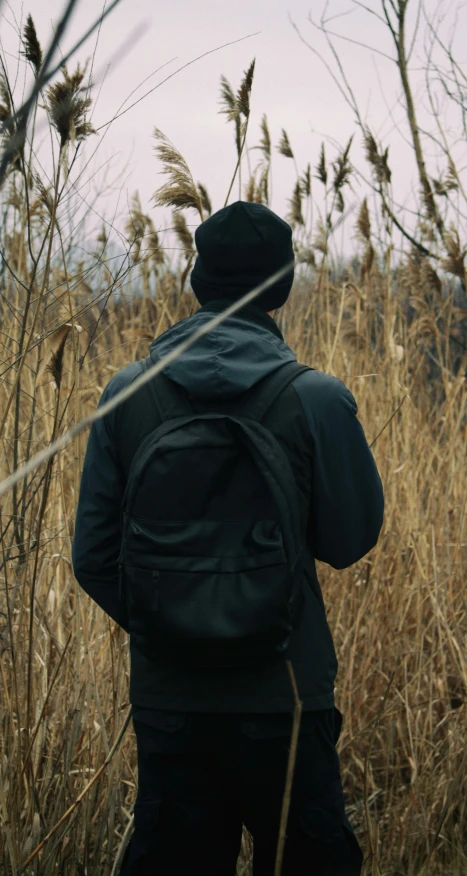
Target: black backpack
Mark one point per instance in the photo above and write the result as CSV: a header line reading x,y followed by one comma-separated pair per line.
x,y
211,557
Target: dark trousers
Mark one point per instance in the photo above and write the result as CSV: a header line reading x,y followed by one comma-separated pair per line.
x,y
202,776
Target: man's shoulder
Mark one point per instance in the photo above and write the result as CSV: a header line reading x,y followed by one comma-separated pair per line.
x,y
322,391
123,378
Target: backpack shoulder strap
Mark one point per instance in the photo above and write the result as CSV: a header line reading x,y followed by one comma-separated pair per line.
x,y
261,396
169,399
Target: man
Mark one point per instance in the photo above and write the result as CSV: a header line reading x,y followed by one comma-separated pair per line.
x,y
213,741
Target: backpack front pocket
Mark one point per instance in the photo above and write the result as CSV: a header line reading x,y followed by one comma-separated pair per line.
x,y
228,606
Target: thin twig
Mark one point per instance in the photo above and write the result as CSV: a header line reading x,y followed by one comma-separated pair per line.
x,y
290,772
122,847
386,424
171,75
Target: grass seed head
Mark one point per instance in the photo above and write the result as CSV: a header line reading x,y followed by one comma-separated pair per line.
x,y
44,194
68,107
342,170
244,92
5,107
321,170
454,263
430,279
320,241
55,347
237,105
250,189
180,192
452,176
265,142
377,159
262,189
154,247
364,223
367,262
12,135
32,48
305,182
205,199
228,100
284,147
184,234
135,227
295,216
429,203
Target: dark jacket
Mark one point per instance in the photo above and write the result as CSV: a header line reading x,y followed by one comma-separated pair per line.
x,y
339,491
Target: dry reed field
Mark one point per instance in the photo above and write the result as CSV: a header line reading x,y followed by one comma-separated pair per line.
x,y
78,303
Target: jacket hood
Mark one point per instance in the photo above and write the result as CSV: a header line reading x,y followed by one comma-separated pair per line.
x,y
227,361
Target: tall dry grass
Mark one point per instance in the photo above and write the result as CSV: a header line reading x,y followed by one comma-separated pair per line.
x,y
390,326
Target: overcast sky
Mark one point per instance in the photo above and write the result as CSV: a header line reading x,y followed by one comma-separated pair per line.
x,y
291,84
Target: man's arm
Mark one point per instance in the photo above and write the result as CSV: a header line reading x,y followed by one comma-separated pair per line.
x,y
347,496
97,539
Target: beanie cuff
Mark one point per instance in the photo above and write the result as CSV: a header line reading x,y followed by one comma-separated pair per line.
x,y
270,299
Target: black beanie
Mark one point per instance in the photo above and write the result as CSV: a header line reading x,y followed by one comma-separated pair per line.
x,y
238,248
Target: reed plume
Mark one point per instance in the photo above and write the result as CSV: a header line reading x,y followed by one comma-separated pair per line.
x,y
342,172
262,189
205,199
244,92
363,223
55,351
250,189
259,192
305,182
321,168
12,138
452,177
377,159
154,247
237,106
454,263
44,194
68,107
320,241
32,49
295,215
184,234
363,233
265,142
135,227
228,100
284,147
180,192
230,108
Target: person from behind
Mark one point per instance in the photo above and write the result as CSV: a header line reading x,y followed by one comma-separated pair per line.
x,y
205,499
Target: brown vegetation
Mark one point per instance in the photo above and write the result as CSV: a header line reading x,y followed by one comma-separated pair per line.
x,y
392,326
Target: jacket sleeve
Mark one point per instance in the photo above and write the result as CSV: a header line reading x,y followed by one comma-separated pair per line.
x,y
97,538
347,502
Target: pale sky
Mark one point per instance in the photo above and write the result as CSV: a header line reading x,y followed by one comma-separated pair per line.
x,y
291,85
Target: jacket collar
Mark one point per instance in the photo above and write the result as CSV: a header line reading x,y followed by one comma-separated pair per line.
x,y
249,313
